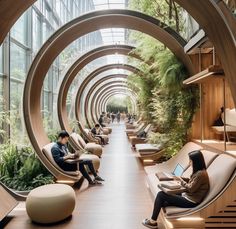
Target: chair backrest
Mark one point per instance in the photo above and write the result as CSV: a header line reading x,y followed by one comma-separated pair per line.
x,y
182,156
147,128
230,116
219,175
140,127
80,140
75,141
209,157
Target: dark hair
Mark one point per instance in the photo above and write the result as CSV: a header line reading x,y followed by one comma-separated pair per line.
x,y
63,134
97,125
198,160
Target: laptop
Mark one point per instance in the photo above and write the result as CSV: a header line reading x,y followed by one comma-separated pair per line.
x,y
178,171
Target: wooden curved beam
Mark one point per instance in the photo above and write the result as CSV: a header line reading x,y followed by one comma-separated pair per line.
x,y
91,76
105,98
102,97
94,87
216,24
62,38
10,11
77,66
99,92
109,84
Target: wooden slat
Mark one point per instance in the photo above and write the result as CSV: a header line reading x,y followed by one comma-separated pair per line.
x,y
203,75
7,203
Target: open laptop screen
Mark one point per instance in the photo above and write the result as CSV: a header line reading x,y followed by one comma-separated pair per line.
x,y
178,171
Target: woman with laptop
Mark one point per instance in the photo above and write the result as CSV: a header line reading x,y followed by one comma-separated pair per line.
x,y
195,189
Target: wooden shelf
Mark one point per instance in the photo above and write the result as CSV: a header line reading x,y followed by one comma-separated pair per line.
x,y
213,70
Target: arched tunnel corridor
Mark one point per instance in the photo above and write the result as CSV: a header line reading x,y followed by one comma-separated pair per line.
x,y
130,91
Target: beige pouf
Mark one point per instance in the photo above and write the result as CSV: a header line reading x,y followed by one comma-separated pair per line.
x,y
50,203
94,149
95,159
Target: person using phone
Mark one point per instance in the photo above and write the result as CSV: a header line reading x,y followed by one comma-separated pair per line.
x,y
196,189
61,155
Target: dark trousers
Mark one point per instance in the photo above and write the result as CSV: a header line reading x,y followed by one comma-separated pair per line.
x,y
164,200
84,172
102,139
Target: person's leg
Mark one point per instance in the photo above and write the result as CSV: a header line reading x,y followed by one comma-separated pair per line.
x,y
84,172
163,199
89,163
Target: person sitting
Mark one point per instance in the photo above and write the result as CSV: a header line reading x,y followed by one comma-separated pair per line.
x,y
196,189
61,154
97,132
101,121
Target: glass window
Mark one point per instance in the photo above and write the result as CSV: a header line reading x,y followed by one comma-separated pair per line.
x,y
1,60
19,30
18,62
37,32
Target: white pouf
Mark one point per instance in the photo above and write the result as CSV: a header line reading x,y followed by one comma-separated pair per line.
x,y
50,203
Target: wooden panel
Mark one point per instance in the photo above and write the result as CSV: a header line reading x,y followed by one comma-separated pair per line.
x,y
212,102
212,92
7,203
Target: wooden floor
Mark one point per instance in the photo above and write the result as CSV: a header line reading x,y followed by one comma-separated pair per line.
x,y
121,203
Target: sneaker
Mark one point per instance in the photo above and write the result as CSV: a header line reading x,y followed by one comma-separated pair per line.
x,y
98,178
149,224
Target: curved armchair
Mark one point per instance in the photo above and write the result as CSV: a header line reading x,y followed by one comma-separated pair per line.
x,y
78,144
213,211
62,176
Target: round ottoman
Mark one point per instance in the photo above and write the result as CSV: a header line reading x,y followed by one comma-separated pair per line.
x,y
94,149
50,203
95,159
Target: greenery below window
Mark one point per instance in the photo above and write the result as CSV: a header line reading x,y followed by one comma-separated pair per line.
x,y
20,169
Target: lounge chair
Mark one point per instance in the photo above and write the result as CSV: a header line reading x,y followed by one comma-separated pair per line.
x,y
78,143
140,140
230,124
215,209
69,176
135,131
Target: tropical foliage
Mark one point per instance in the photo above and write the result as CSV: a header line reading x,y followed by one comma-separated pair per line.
x,y
163,99
20,169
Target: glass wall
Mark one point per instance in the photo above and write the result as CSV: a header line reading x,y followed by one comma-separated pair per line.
x,y
26,37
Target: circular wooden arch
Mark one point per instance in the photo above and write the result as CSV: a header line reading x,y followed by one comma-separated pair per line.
x,y
107,96
102,97
68,33
88,96
92,75
98,93
74,69
86,112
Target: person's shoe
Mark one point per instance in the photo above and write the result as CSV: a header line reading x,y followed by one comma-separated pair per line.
x,y
98,178
94,182
149,224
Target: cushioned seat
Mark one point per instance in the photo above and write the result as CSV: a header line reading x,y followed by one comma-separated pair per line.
x,y
148,148
50,203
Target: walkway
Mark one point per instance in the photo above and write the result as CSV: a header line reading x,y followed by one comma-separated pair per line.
x,y
121,203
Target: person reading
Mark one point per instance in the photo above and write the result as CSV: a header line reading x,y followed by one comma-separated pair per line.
x,y
62,156
195,189
97,132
